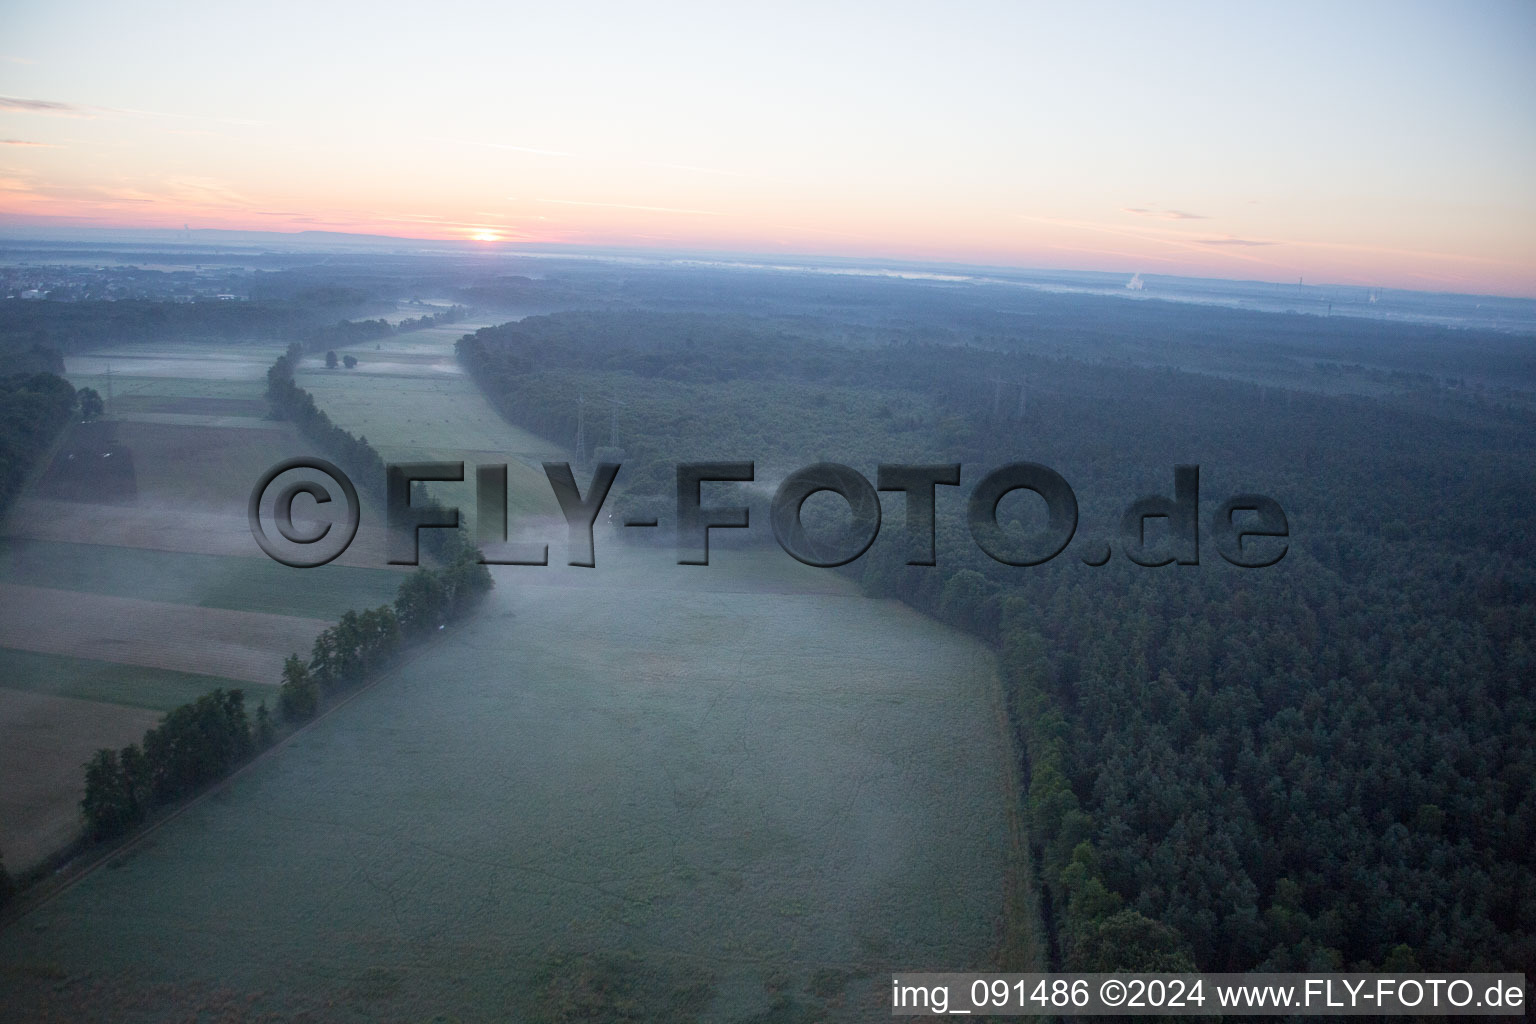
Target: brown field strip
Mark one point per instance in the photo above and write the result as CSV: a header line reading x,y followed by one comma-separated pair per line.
x,y
189,419
164,528
44,744
249,646
125,404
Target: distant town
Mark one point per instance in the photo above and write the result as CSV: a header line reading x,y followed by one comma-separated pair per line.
x,y
101,283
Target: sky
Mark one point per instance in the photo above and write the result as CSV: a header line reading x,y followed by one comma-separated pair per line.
x,y
1386,144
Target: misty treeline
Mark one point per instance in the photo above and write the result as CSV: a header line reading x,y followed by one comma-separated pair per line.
x,y
346,653
1325,764
204,741
316,318
34,408
290,402
193,745
356,457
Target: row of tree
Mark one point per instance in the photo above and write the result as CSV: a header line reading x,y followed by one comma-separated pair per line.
x,y
193,745
201,742
346,653
290,402
353,332
359,459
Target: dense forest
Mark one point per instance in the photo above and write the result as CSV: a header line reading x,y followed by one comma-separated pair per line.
x,y
34,408
1324,764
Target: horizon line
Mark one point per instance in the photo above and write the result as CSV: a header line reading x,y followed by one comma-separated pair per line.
x,y
12,233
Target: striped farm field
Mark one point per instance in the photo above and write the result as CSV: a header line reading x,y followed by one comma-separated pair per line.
x,y
134,404
129,580
163,526
248,646
111,682
202,580
122,385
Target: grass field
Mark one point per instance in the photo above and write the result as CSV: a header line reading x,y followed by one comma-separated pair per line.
x,y
248,389
111,682
166,526
132,404
195,361
412,403
249,646
206,581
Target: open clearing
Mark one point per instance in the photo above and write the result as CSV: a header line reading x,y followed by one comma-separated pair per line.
x,y
44,741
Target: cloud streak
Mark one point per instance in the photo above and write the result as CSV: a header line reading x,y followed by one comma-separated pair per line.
x,y
628,206
1142,211
57,108
19,105
27,142
505,147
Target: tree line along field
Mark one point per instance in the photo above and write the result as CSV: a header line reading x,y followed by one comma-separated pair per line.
x,y
409,398
709,795
716,801
122,600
